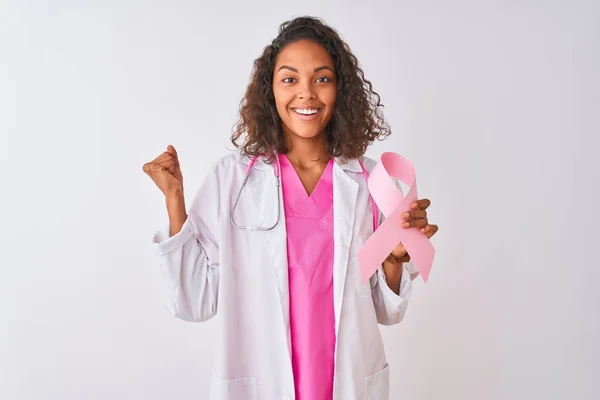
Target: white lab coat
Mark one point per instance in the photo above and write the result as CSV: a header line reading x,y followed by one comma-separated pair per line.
x,y
240,277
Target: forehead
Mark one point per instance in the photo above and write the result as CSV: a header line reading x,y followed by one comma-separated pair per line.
x,y
304,53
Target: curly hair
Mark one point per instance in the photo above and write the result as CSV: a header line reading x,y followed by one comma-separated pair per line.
x,y
357,120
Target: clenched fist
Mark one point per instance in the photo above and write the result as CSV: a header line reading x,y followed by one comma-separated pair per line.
x,y
165,171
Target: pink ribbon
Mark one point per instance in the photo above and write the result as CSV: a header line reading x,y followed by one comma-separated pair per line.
x,y
393,204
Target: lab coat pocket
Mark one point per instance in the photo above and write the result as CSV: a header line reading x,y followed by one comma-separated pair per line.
x,y
378,385
362,289
244,388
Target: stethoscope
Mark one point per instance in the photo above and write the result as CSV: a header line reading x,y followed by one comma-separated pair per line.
x,y
277,173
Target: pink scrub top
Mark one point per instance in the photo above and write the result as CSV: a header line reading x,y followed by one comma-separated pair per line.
x,y
309,224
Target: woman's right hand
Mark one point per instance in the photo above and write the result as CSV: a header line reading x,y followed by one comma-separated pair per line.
x,y
165,171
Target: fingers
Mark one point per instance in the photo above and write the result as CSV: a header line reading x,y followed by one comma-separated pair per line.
x,y
429,230
175,158
420,222
166,161
420,204
417,217
412,215
171,150
152,167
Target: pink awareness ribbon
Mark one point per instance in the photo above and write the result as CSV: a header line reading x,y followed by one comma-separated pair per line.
x,y
393,204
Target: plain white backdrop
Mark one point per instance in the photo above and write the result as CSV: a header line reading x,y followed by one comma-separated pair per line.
x,y
495,102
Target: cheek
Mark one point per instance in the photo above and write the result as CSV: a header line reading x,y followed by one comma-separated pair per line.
x,y
282,100
329,96
278,104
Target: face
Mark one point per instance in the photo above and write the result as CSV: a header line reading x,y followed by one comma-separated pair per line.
x,y
304,85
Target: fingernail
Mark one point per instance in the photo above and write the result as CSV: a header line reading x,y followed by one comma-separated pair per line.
x,y
405,225
422,230
413,205
405,215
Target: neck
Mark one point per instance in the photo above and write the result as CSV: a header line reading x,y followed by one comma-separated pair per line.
x,y
307,153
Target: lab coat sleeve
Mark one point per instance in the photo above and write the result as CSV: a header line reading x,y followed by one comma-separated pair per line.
x,y
389,306
189,260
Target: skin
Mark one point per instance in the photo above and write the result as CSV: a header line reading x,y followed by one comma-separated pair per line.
x,y
303,77
165,172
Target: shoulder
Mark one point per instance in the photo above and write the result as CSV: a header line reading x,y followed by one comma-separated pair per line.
x,y
223,170
234,166
368,162
229,159
229,163
357,165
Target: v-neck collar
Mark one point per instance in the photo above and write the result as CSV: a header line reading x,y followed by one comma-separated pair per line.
x,y
296,177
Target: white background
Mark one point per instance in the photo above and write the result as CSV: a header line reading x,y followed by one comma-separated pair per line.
x,y
495,102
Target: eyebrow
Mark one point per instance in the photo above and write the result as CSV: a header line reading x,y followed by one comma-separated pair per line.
x,y
296,71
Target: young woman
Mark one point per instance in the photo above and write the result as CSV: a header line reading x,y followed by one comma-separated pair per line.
x,y
269,244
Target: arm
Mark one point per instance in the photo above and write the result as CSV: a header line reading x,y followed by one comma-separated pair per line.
x,y
392,292
392,268
176,210
188,253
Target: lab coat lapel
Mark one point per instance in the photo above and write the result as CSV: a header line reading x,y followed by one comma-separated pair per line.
x,y
345,192
265,200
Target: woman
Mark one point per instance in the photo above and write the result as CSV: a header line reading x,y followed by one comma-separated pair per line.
x,y
278,264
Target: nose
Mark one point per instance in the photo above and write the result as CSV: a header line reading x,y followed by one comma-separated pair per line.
x,y
306,91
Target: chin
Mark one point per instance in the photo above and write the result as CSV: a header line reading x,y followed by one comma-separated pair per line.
x,y
305,134
306,131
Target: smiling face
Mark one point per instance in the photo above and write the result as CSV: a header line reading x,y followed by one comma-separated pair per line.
x,y
304,85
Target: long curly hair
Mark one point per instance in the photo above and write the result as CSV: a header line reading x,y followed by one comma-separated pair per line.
x,y
357,119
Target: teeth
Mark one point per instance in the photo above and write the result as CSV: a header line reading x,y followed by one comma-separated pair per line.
x,y
306,111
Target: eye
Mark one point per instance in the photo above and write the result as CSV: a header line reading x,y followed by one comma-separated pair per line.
x,y
287,80
323,79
